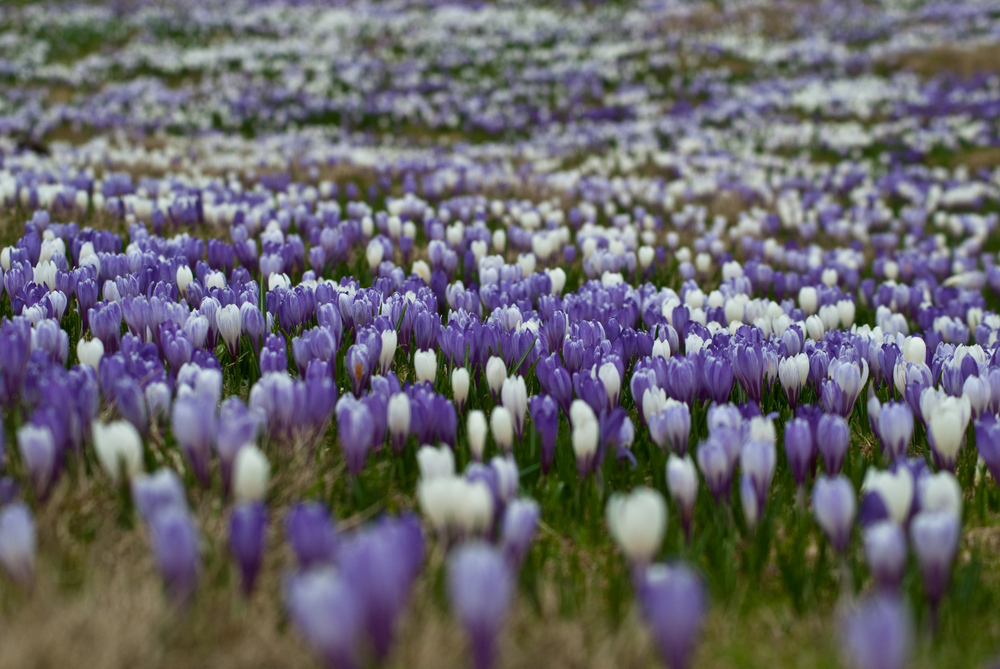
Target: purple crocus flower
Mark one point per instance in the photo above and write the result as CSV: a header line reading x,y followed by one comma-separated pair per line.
x,y
799,449
18,542
878,634
748,367
327,613
545,415
834,505
674,604
718,378
833,437
517,531
480,587
358,361
193,425
378,563
895,429
161,490
885,553
934,535
38,453
355,430
988,443
716,463
175,543
672,427
311,533
247,530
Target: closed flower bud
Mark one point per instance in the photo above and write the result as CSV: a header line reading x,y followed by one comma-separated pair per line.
x,y
251,473
230,324
460,382
514,396
476,429
398,420
184,278
940,492
682,483
885,553
90,352
638,522
425,366
502,428
388,351
435,462
834,505
118,447
496,373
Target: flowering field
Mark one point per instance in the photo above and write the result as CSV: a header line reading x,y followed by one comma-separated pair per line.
x,y
417,334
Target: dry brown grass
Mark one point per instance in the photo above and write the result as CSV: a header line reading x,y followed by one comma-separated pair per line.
x,y
965,62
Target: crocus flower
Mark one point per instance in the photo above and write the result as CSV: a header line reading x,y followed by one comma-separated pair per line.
x,y
638,522
327,613
193,425
833,437
38,453
834,505
435,462
682,482
671,426
934,535
878,633
496,374
251,473
161,490
940,492
118,447
18,542
476,430
460,382
229,322
673,603
894,488
799,449
517,530
425,366
716,464
398,418
310,531
946,418
480,586
502,428
885,553
247,530
988,443
355,430
514,396
793,372
895,429
585,437
175,544
545,415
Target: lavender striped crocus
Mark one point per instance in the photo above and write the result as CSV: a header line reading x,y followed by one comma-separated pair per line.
x,y
895,429
193,425
833,436
799,449
885,553
834,505
545,415
480,587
